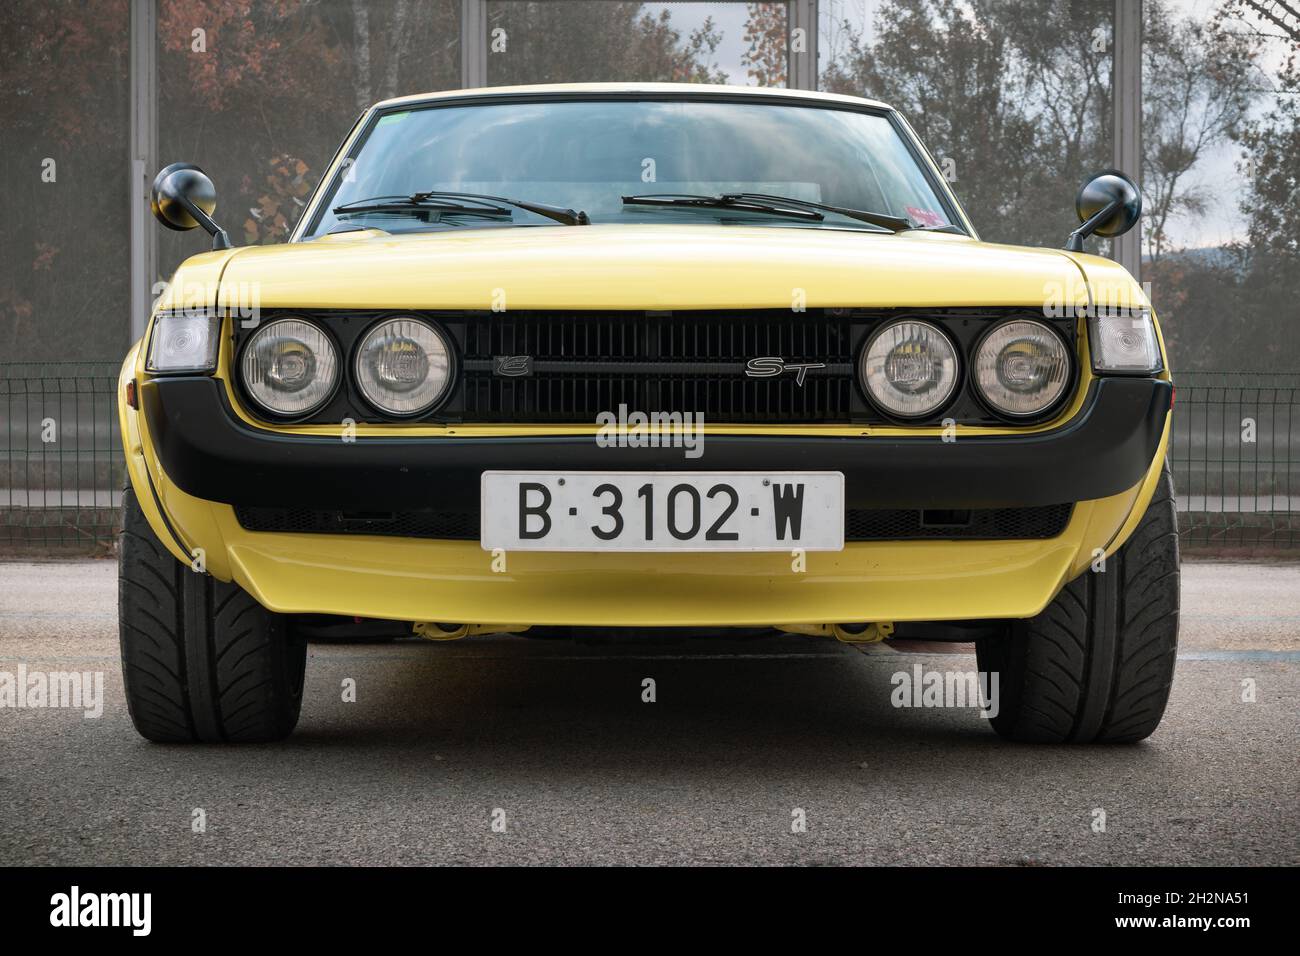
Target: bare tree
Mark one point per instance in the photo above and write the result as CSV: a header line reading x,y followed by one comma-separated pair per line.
x,y
1197,95
361,50
400,36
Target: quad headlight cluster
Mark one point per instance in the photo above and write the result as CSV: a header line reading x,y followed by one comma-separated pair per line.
x,y
402,367
911,368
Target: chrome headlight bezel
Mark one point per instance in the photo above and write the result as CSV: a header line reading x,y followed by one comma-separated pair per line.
x,y
268,411
950,393
448,385
1045,411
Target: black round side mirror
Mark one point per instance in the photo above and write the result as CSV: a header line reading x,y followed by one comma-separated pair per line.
x,y
176,187
1109,204
1108,187
183,197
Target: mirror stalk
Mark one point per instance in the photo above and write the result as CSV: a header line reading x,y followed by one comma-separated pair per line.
x,y
220,238
1075,242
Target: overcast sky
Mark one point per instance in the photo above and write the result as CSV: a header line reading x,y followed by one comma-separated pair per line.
x,y
730,21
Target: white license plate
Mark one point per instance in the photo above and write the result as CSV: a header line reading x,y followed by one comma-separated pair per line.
x,y
662,511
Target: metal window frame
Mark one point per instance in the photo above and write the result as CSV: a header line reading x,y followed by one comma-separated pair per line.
x,y
473,44
142,159
802,69
1126,119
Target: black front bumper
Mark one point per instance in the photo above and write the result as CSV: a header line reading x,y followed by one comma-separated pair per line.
x,y
210,453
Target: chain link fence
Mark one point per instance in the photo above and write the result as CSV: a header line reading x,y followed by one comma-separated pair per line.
x,y
1235,454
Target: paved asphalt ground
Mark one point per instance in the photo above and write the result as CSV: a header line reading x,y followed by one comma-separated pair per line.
x,y
555,734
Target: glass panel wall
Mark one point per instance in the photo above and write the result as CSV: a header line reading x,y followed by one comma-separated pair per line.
x,y
572,41
1221,180
64,110
1012,96
261,98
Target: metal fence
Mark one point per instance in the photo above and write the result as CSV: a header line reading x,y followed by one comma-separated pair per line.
x,y
61,464
1235,454
1236,461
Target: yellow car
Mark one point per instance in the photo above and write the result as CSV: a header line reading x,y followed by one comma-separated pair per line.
x,y
646,356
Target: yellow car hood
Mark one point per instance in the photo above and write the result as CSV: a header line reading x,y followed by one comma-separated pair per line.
x,y
646,266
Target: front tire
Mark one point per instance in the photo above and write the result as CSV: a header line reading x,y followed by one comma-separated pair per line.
x,y
1097,664
201,660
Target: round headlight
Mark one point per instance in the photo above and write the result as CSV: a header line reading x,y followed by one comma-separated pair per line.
x,y
290,367
909,368
1021,368
403,366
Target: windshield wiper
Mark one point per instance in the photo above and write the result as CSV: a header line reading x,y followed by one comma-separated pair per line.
x,y
763,202
570,217
443,202
894,223
413,207
725,201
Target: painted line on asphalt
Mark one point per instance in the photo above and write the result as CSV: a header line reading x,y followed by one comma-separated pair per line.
x,y
1213,616
1287,656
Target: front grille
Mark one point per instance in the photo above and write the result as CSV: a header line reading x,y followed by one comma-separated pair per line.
x,y
572,366
582,364
859,524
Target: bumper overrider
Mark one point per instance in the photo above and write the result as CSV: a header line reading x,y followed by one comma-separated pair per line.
x,y
208,452
205,463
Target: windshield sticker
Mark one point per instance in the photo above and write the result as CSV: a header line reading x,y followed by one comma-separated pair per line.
x,y
392,118
926,217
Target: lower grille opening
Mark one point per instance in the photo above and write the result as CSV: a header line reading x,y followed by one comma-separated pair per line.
x,y
986,524
902,524
932,518
452,525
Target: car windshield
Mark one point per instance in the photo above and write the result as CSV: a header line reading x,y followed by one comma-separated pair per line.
x,y
588,154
